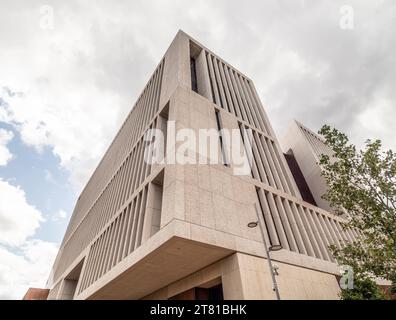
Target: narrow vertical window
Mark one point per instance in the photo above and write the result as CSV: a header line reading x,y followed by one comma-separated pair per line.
x,y
245,146
221,138
194,83
210,79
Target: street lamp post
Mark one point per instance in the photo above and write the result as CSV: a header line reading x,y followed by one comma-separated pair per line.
x,y
277,247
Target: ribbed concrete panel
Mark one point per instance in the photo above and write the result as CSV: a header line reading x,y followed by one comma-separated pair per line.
x,y
301,228
140,115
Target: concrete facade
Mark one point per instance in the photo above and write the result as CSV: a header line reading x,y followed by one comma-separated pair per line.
x,y
142,231
306,147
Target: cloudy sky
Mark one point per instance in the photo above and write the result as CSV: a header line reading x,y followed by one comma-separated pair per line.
x,y
71,70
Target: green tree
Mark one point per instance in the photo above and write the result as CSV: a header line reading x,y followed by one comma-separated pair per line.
x,y
363,183
364,289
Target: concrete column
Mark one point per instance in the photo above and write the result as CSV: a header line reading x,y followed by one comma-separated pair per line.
x,y
203,76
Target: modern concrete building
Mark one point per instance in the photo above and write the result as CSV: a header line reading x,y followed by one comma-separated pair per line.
x,y
179,231
303,148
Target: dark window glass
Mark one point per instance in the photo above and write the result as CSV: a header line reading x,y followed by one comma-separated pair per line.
x,y
222,145
194,84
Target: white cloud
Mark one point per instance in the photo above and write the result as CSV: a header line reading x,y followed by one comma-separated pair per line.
x,y
24,261
80,79
29,268
68,102
61,214
5,154
67,124
18,219
377,120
